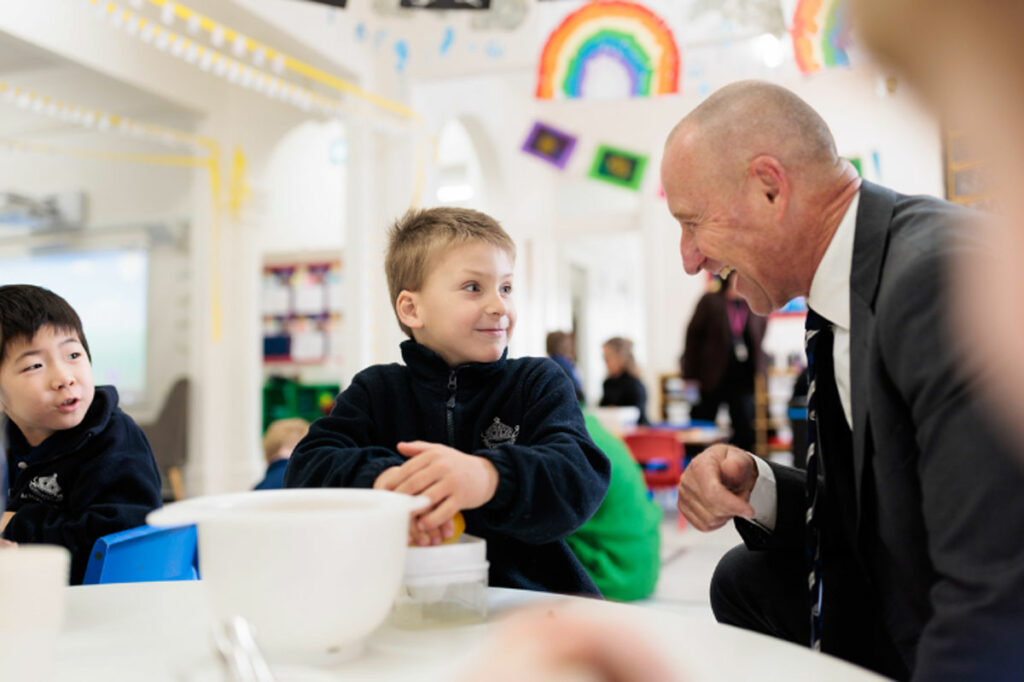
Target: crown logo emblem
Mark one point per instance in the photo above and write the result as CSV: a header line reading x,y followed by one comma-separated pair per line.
x,y
45,489
499,434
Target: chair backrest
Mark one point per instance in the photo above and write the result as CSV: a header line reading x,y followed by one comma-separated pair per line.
x,y
660,455
144,554
168,436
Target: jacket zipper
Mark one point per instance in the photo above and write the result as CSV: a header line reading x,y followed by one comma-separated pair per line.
x,y
450,409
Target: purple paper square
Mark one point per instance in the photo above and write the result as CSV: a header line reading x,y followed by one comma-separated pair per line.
x,y
550,144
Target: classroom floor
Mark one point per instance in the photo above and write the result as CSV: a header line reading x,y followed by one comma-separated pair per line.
x,y
688,559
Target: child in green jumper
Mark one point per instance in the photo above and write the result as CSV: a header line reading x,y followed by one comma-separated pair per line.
x,y
620,545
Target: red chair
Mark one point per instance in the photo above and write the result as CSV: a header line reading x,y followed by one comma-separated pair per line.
x,y
660,455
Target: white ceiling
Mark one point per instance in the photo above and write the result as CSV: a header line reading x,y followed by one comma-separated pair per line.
x,y
17,56
26,66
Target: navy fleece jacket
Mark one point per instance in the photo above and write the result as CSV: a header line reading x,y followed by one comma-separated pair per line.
x,y
520,414
82,483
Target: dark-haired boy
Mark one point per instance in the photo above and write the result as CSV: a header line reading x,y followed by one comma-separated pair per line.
x,y
501,440
78,467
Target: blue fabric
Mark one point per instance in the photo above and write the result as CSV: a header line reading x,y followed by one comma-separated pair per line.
x,y
569,368
521,414
274,478
82,483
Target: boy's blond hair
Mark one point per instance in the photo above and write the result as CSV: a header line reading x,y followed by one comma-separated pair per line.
x,y
281,433
417,239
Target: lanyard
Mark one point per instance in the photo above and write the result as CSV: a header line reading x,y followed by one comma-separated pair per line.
x,y
737,317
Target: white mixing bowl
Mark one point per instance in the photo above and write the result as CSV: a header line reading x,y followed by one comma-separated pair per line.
x,y
314,571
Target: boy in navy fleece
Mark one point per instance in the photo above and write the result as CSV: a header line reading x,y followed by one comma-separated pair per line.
x,y
502,440
78,467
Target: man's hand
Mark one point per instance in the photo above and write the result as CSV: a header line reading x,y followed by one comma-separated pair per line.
x,y
451,479
5,519
716,486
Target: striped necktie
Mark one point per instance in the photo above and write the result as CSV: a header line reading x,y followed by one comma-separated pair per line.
x,y
818,341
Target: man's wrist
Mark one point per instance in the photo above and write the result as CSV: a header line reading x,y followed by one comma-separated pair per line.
x,y
757,473
764,496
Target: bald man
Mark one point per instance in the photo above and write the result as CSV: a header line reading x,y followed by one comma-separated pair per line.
x,y
920,509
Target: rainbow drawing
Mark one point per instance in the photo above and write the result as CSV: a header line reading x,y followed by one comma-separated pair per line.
x,y
625,31
821,34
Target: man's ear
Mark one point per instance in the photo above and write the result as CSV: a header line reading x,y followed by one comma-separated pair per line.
x,y
771,181
408,309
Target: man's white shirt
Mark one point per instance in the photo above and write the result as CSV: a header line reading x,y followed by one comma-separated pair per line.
x,y
830,298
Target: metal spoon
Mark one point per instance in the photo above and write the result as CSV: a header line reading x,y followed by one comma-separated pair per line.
x,y
241,655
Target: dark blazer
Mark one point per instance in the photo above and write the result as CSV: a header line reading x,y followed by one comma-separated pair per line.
x,y
926,523
708,343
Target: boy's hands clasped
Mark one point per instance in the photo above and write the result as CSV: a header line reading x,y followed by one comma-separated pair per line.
x,y
453,480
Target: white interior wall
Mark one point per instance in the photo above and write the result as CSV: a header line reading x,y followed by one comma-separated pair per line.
x,y
295,203
613,264
304,187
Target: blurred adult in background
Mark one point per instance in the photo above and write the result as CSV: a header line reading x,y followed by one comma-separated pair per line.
x,y
279,440
623,387
722,355
967,59
561,349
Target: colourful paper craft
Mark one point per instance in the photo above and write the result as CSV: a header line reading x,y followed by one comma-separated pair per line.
x,y
550,144
446,4
618,167
821,34
625,31
858,164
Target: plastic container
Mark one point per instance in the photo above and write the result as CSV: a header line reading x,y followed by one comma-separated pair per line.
x,y
443,585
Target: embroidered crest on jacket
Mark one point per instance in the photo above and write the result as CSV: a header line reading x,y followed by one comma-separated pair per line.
x,y
45,489
499,434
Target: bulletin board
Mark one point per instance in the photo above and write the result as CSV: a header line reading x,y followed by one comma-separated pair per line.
x,y
302,310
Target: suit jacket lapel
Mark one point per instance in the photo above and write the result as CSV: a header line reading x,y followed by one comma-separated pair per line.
x,y
870,244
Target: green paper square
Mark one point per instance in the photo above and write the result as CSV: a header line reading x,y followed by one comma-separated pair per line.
x,y
618,167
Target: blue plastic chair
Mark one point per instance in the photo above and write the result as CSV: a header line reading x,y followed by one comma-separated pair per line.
x,y
144,554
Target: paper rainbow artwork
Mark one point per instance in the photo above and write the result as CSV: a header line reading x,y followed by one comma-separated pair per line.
x,y
627,32
821,34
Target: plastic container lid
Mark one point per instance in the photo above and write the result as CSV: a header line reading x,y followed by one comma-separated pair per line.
x,y
461,561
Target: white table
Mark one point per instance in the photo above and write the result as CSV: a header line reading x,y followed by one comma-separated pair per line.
x,y
160,632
